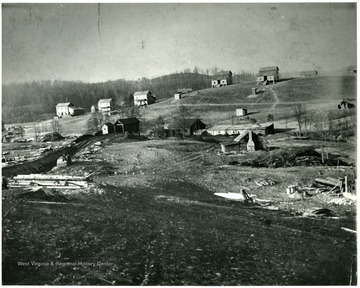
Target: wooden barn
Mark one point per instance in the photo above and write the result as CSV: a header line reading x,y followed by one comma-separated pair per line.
x,y
108,128
267,75
185,127
129,125
222,78
311,73
143,98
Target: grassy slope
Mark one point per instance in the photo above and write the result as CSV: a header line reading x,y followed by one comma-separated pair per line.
x,y
214,105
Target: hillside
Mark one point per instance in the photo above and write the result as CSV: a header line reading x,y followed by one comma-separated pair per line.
x,y
215,105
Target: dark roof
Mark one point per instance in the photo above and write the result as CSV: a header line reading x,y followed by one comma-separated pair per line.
x,y
64,104
185,123
308,72
108,124
139,93
267,73
127,121
269,68
222,74
184,90
107,100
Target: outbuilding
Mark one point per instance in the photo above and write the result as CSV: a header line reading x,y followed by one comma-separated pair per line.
x,y
129,125
108,128
241,112
185,127
311,73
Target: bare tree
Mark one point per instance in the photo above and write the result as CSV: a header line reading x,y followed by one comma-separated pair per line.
x,y
299,113
94,123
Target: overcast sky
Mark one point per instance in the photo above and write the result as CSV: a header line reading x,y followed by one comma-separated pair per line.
x,y
62,41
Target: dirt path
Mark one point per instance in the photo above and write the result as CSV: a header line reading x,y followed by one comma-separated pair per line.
x,y
276,99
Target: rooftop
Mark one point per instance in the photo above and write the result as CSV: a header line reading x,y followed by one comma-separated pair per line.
x,y
127,121
139,93
66,104
107,100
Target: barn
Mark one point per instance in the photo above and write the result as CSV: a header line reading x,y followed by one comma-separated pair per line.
x,y
184,127
222,78
311,73
144,98
129,125
108,128
267,75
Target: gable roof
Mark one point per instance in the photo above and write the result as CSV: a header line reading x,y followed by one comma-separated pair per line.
x,y
65,104
140,93
269,68
308,72
108,124
107,100
221,75
127,121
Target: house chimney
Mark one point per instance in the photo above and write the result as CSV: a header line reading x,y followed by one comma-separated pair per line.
x,y
250,145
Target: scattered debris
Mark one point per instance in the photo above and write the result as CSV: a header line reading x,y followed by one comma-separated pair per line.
x,y
322,212
265,183
63,161
50,181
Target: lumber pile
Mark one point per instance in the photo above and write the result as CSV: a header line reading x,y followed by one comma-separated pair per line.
x,y
50,181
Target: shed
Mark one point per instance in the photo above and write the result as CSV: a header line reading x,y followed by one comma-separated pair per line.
x,y
93,109
222,78
144,98
130,125
106,105
75,111
241,112
177,96
184,127
311,73
108,128
267,74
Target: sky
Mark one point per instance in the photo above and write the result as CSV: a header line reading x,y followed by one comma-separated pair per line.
x,y
85,42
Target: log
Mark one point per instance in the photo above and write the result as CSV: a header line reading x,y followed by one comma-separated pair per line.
x,y
329,182
349,230
49,177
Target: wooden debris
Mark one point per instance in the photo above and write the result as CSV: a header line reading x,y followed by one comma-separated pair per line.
x,y
55,203
50,181
349,230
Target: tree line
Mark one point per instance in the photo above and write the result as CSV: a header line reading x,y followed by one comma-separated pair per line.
x,y
34,101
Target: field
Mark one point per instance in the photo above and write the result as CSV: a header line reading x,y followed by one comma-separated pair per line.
x,y
159,223
153,218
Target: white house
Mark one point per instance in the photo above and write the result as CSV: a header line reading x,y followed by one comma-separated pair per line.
x,y
106,105
63,109
143,98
